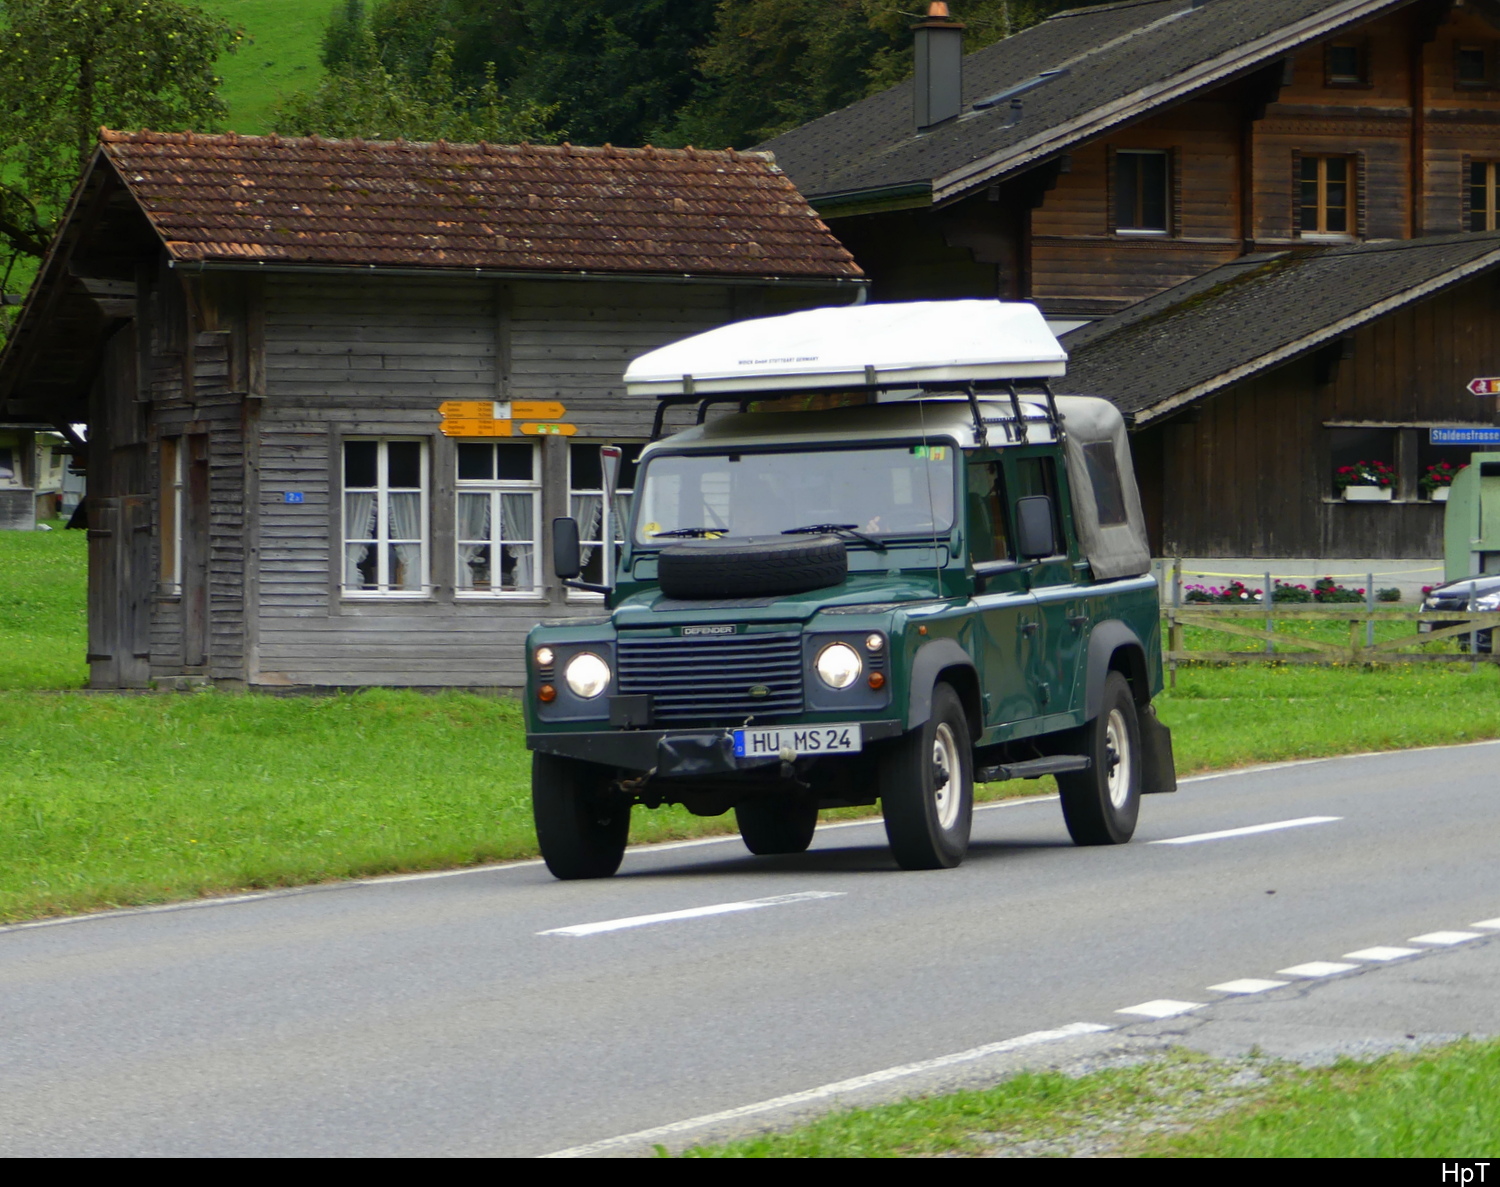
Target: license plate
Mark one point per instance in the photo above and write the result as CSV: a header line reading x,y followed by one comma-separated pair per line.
x,y
800,740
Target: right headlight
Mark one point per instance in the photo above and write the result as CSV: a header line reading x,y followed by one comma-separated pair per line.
x,y
587,675
1488,602
838,665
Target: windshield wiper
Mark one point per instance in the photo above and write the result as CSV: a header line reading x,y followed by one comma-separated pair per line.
x,y
688,533
844,529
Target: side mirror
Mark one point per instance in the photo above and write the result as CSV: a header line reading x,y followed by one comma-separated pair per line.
x,y
1035,533
567,555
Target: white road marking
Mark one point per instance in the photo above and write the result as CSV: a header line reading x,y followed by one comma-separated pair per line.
x,y
676,1128
1491,924
1163,1007
1446,937
1249,830
1317,968
1381,953
1248,985
754,904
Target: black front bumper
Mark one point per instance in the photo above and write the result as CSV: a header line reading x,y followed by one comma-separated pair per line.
x,y
684,753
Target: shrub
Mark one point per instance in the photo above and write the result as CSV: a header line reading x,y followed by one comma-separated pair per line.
x,y
1325,590
1291,593
1388,595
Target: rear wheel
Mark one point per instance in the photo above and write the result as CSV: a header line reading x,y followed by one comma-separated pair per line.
x,y
1102,803
770,826
581,825
927,788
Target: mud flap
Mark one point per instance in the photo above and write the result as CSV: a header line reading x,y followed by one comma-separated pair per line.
x,y
1158,767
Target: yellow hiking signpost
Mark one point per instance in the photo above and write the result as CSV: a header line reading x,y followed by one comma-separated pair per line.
x,y
497,418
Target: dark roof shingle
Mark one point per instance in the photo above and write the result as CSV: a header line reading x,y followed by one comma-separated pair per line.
x,y
494,207
1257,313
1121,60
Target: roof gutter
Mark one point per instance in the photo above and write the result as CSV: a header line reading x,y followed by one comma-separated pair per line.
x,y
1302,345
200,266
1060,138
907,196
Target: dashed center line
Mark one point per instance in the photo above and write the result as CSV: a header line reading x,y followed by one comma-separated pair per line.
x,y
754,904
1249,830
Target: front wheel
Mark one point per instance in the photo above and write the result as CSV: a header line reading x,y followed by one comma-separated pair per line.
x,y
770,826
1102,803
581,825
927,788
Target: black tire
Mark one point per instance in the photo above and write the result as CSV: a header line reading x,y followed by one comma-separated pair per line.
x,y
751,566
776,825
927,817
581,825
1101,805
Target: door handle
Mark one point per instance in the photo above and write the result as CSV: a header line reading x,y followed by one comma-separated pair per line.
x,y
1078,621
1029,628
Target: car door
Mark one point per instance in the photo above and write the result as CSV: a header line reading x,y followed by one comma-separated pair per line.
x,y
1003,602
1062,602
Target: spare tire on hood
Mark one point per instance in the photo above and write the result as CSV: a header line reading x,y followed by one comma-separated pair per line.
x,y
750,566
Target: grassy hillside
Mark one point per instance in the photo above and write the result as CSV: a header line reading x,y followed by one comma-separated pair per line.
x,y
279,55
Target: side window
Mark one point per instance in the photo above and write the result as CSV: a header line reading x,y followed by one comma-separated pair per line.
x,y
1038,476
586,502
986,498
1104,477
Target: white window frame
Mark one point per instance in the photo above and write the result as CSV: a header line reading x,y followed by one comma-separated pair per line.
x,y
495,488
608,521
17,477
383,541
173,504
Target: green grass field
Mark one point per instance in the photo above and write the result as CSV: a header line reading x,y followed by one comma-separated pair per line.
x,y
119,799
1438,1104
279,55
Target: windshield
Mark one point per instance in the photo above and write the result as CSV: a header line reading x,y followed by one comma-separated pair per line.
x,y
889,491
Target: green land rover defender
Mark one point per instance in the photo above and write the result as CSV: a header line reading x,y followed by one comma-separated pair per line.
x,y
899,566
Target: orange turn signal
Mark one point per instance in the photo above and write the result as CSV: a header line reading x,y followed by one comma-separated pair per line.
x,y
877,679
546,694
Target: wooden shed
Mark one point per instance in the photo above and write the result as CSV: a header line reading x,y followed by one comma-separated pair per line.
x,y
336,389
1251,387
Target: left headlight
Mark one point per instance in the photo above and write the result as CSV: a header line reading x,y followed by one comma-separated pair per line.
x,y
587,675
838,665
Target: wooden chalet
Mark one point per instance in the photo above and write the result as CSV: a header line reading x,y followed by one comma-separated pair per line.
x,y
336,389
1112,153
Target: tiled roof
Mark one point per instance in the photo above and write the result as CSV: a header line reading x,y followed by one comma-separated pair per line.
x,y
1255,314
493,207
1121,61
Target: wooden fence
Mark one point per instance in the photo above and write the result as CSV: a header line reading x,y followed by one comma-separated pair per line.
x,y
1258,621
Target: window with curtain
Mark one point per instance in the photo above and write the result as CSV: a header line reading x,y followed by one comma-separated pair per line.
x,y
499,520
385,518
586,500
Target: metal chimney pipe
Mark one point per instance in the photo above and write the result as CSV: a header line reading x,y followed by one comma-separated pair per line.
x,y
938,90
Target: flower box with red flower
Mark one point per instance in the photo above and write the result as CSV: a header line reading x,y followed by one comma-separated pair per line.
x,y
1366,482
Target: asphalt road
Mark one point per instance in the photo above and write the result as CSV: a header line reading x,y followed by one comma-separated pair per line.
x,y
434,1015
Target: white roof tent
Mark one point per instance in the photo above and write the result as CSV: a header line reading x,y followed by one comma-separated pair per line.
x,y
923,345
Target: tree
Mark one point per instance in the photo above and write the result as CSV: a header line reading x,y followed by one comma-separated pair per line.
x,y
68,67
362,97
771,65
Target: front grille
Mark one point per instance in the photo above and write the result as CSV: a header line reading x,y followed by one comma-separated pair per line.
x,y
708,680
